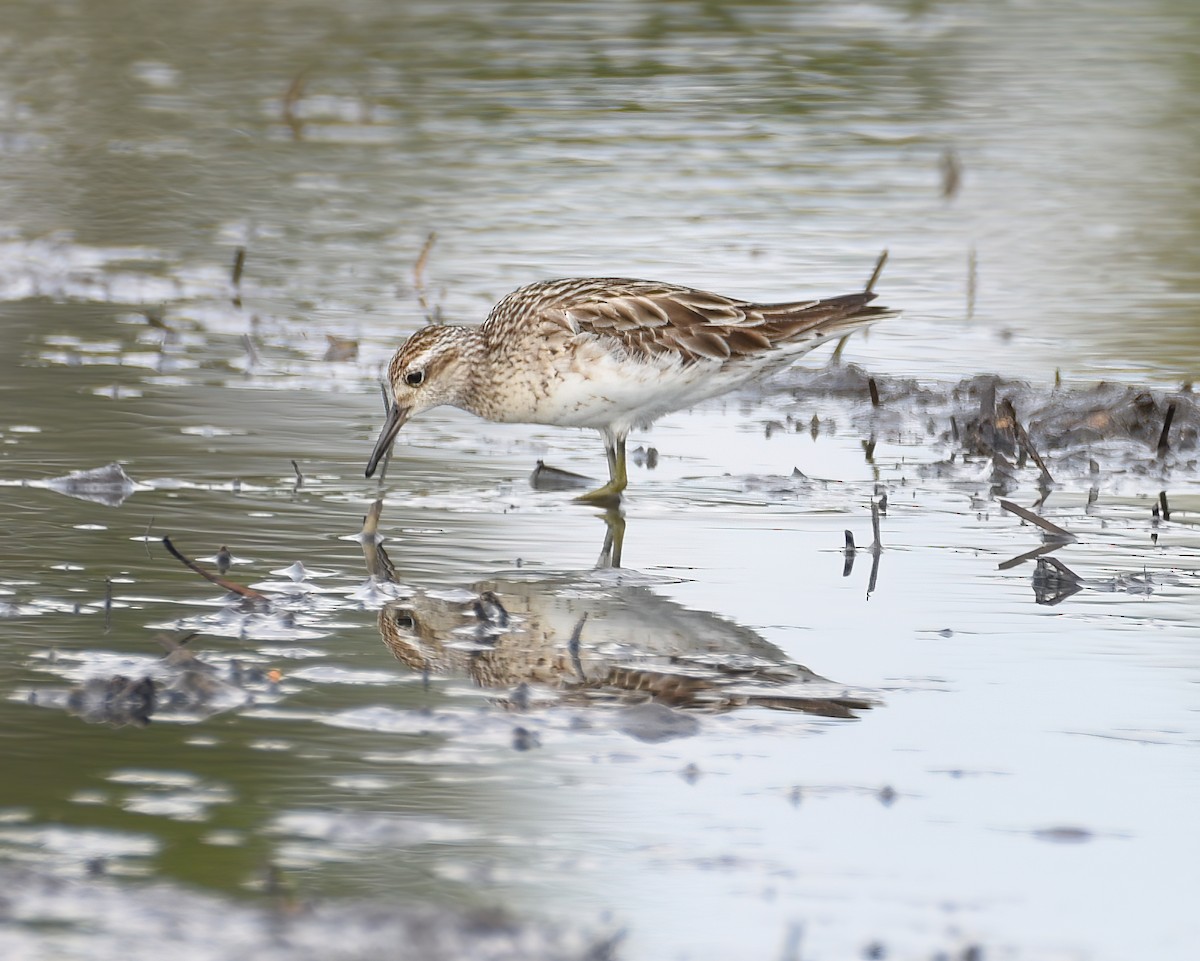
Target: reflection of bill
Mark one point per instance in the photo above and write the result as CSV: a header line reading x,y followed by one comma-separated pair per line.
x,y
596,637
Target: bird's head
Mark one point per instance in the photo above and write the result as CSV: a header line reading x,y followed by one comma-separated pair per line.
x,y
431,369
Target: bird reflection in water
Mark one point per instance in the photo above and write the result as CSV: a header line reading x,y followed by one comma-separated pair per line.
x,y
601,636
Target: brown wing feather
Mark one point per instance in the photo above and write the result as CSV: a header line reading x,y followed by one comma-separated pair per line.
x,y
649,319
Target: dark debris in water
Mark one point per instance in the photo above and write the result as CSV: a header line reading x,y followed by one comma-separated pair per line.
x,y
180,686
108,485
1056,429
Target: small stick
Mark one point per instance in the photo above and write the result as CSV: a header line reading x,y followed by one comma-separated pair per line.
x,y
877,544
874,389
419,270
146,536
238,589
951,173
1163,441
239,262
291,98
573,648
107,604
250,351
299,476
987,414
1053,530
1008,410
972,281
876,272
1166,509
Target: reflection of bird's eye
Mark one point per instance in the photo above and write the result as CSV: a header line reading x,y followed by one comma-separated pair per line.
x,y
405,621
414,378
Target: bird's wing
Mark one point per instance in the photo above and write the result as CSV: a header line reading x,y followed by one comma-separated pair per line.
x,y
650,319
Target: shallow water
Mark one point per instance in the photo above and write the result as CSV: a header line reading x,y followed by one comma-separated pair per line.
x,y
1023,778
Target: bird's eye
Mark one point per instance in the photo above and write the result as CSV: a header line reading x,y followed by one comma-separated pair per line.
x,y
414,378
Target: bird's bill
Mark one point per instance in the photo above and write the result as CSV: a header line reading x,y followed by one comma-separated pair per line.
x,y
396,416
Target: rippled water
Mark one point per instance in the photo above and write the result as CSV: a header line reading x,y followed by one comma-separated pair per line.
x,y
1019,777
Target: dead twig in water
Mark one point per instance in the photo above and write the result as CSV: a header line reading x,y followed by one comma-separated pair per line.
x,y
291,99
873,388
419,272
239,262
1164,443
146,536
951,168
299,476
1164,506
238,589
107,604
251,353
1008,410
972,281
1052,531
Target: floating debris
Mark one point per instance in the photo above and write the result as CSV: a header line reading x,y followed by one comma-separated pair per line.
x,y
108,485
546,478
340,349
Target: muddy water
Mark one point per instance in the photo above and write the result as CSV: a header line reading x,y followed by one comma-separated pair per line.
x,y
1016,776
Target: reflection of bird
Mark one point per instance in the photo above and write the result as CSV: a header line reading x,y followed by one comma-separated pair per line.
x,y
607,354
591,640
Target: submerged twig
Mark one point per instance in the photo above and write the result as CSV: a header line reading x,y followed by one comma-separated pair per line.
x,y
239,262
419,272
972,280
1164,506
873,388
299,476
1009,411
951,169
146,536
239,589
251,353
1051,529
291,99
573,648
1164,443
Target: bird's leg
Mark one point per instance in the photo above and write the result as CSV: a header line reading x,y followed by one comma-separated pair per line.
x,y
610,494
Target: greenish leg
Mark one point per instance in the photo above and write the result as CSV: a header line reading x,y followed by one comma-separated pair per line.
x,y
610,494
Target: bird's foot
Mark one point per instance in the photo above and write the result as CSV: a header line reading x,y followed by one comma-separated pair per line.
x,y
607,496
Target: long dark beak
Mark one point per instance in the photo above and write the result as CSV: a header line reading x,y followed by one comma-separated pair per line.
x,y
396,416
